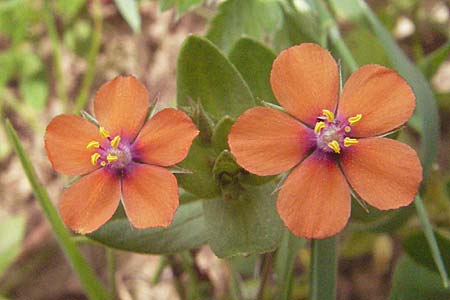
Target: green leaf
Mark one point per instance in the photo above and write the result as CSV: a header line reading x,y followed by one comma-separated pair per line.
x,y
200,162
431,63
236,18
220,134
426,107
225,164
12,231
181,6
34,92
285,262
186,232
69,9
205,74
412,281
254,62
416,247
129,10
85,274
247,225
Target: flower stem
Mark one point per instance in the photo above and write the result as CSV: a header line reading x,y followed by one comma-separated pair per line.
x,y
111,266
323,269
268,258
82,97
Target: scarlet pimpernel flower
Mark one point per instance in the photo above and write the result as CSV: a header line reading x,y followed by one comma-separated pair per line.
x,y
122,159
332,141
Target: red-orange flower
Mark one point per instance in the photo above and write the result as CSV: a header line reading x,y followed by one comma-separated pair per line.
x,y
123,159
340,133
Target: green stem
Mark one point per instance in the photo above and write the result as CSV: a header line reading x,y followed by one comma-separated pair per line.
x,y
111,263
323,269
432,243
57,56
268,258
162,265
82,98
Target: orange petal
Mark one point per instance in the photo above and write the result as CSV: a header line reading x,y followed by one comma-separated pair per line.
x,y
166,138
314,202
150,196
305,80
65,139
121,106
384,99
265,141
90,202
384,172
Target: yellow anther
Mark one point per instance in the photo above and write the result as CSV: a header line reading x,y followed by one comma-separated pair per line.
x,y
111,158
354,119
92,145
103,133
347,129
328,114
349,142
115,142
319,126
103,163
94,158
334,145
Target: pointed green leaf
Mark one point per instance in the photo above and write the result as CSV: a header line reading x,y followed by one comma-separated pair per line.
x,y
181,6
186,232
12,231
430,64
220,134
129,9
84,272
205,74
247,225
254,62
236,18
413,281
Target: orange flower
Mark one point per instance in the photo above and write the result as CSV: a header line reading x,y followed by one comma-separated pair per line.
x,y
122,159
342,134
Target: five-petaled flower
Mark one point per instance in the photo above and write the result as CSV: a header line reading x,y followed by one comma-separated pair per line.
x,y
342,134
123,159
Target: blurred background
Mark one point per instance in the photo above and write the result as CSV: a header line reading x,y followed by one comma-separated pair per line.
x,y
55,54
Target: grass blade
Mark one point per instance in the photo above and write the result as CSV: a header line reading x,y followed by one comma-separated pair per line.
x,y
432,243
323,269
92,286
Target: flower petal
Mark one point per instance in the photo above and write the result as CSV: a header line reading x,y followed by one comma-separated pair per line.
x,y
384,172
305,80
384,99
314,202
121,106
150,196
265,141
90,202
65,139
166,138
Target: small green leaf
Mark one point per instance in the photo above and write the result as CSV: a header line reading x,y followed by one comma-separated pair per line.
x,y
413,281
247,225
69,9
254,62
186,232
82,269
220,134
12,231
205,74
129,10
416,245
236,18
34,92
285,263
200,162
181,6
431,63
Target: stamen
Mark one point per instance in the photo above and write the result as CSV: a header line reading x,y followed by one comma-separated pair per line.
x,y
354,119
104,134
350,142
111,158
334,145
319,126
115,142
347,129
94,158
103,163
328,114
92,145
